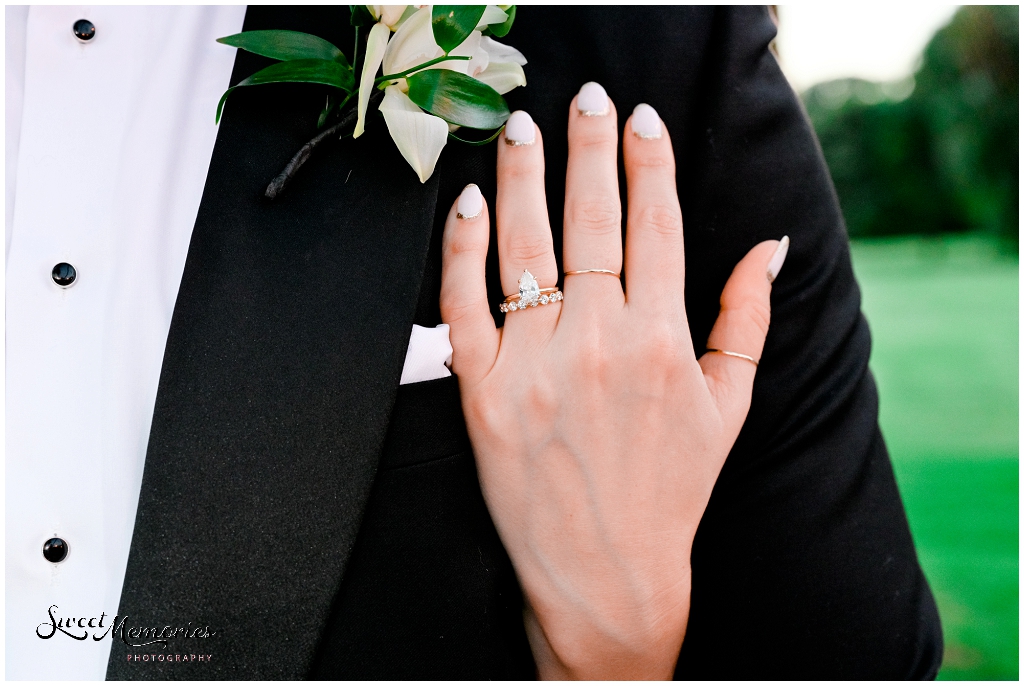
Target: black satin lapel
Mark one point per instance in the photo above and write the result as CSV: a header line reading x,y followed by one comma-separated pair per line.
x,y
280,372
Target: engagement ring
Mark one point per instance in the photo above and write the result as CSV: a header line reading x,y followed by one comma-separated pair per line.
x,y
530,295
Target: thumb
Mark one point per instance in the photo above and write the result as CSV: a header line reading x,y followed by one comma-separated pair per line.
x,y
740,329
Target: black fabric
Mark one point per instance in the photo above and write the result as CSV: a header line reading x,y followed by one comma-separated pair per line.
x,y
277,387
429,580
284,354
803,565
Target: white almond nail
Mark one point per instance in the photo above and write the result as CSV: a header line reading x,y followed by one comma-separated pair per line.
x,y
645,122
775,264
592,100
519,129
471,202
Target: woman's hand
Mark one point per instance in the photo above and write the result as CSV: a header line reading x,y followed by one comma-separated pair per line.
x,y
598,435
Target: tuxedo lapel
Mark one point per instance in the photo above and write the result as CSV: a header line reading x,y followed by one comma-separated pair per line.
x,y
280,371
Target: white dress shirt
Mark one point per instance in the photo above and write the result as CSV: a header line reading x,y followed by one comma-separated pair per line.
x,y
108,146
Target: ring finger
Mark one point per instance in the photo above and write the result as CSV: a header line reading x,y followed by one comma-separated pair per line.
x,y
524,233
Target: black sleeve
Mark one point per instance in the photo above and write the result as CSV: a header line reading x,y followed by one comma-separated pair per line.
x,y
803,565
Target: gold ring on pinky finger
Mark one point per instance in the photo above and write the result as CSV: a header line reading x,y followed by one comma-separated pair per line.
x,y
748,358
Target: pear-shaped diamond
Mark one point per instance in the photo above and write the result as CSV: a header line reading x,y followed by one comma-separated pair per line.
x,y
529,291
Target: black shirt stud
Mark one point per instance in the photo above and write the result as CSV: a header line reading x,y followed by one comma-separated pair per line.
x,y
63,274
55,550
84,30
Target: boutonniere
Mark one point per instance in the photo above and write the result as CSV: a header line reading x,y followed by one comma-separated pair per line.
x,y
428,69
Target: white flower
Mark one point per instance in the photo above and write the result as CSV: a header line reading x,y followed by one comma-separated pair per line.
x,y
389,15
498,65
421,136
388,18
418,135
376,44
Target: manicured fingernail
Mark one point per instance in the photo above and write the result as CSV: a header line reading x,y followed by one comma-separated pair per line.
x,y
471,202
519,129
645,122
592,100
775,264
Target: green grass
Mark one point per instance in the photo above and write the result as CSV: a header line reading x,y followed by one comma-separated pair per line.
x,y
944,321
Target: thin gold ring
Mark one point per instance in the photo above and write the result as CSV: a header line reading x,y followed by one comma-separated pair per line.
x,y
748,358
593,271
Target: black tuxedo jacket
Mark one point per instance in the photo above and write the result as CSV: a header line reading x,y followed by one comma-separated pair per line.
x,y
327,523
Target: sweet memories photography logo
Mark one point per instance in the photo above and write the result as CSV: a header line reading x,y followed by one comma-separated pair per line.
x,y
154,636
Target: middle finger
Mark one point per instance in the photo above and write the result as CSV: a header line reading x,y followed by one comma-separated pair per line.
x,y
593,216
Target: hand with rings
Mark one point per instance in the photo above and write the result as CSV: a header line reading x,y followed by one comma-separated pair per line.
x,y
597,432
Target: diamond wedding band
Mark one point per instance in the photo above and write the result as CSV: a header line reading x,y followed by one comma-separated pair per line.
x,y
530,295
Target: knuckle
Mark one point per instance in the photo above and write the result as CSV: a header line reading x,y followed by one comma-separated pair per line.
x,y
592,139
526,168
662,346
665,220
542,399
759,313
455,310
656,160
465,245
598,216
528,247
486,415
749,308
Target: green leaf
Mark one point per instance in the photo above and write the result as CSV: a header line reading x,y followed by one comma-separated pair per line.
x,y
326,72
501,30
458,99
452,24
286,45
328,107
359,15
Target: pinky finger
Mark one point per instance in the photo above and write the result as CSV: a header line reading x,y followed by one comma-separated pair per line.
x,y
464,289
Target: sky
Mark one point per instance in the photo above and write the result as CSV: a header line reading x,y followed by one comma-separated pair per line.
x,y
823,41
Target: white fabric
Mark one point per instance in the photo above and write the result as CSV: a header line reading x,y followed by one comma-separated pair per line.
x,y
107,149
429,351
115,142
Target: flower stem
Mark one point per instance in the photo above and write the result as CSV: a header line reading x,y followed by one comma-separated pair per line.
x,y
428,63
483,142
288,173
355,53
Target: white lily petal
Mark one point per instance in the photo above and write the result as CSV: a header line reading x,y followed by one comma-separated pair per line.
x,y
409,11
502,76
390,14
376,45
412,44
492,15
500,52
467,48
479,62
420,137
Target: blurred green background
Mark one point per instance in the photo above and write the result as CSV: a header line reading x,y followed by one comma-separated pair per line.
x,y
926,170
